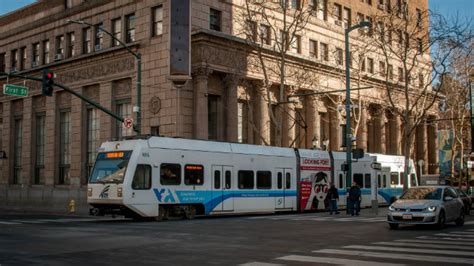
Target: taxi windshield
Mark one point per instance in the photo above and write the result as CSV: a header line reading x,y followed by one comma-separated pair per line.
x,y
423,193
110,167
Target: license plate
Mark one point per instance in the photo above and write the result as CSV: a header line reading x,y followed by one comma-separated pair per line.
x,y
407,217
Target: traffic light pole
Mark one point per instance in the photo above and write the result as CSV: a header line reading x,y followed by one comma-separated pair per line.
x,y
82,97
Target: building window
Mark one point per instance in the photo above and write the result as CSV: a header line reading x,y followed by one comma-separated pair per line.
x,y
390,72
371,28
265,34
369,2
346,16
360,17
337,13
35,57
381,31
324,51
401,75
116,31
283,40
313,48
323,9
157,20
22,57
99,36
130,27
93,137
242,121
212,117
215,20
170,174
193,175
68,4
370,65
419,21
251,31
362,63
421,81
46,52
14,60
39,148
86,40
420,46
59,47
17,150
2,62
296,44
245,179
124,110
382,69
64,146
339,56
296,4
142,177
70,44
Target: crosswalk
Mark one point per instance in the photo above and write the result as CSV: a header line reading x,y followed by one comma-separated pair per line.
x,y
445,248
315,217
59,220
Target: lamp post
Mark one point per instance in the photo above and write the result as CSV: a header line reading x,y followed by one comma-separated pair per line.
x,y
138,58
348,135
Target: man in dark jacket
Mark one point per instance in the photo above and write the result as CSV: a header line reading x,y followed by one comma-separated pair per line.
x,y
355,198
333,196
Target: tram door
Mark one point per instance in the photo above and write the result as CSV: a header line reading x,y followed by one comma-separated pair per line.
x,y
222,177
284,198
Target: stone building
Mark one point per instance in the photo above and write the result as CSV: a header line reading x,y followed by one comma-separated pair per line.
x,y
51,142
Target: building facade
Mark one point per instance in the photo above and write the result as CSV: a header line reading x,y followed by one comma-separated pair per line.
x,y
51,142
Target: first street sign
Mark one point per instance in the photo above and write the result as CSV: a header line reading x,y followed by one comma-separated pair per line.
x,y
15,90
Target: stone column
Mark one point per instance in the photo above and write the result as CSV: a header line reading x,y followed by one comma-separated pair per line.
x,y
262,119
422,146
361,136
201,126
380,131
26,168
107,123
51,137
231,112
77,142
7,132
334,129
396,136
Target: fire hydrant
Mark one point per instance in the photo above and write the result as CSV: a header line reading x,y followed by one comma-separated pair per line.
x,y
72,206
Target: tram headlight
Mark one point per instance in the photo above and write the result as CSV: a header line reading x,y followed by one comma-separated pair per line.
x,y
119,192
89,192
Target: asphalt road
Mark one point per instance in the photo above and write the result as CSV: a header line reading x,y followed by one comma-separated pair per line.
x,y
290,239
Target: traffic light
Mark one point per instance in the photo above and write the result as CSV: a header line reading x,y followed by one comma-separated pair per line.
x,y
48,82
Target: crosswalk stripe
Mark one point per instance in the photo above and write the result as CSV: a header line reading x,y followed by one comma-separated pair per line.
x,y
425,245
391,255
28,221
469,223
433,241
335,261
446,238
256,263
454,235
462,232
412,250
8,223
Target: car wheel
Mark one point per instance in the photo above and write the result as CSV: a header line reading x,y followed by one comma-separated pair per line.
x,y
441,220
460,220
393,226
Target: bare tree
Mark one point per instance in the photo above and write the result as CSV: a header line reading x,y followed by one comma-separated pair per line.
x,y
406,40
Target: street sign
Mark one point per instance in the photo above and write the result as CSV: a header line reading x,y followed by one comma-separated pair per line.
x,y
128,122
15,90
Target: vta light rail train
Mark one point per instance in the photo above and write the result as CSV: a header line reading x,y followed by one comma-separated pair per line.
x,y
158,176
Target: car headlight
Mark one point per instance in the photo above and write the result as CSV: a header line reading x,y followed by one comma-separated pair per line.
x,y
431,208
391,208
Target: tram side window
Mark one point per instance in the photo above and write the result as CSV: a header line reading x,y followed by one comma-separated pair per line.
x,y
193,175
246,180
367,183
384,180
280,180
170,174
288,180
413,180
264,179
142,177
402,178
217,179
228,180
394,178
359,179
379,181
341,181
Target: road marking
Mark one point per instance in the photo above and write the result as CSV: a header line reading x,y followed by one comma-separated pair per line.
x,y
256,263
434,241
8,223
446,238
335,261
412,250
28,221
424,245
454,235
398,256
469,223
462,232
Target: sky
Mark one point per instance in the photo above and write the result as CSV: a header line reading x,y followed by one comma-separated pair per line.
x,y
449,8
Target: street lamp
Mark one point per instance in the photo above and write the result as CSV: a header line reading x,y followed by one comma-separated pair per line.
x,y
137,108
348,135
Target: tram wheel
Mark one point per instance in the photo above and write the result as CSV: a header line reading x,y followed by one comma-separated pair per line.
x,y
190,212
162,214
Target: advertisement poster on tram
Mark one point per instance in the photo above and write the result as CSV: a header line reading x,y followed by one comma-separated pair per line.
x,y
315,178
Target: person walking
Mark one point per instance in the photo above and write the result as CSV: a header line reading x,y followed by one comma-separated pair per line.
x,y
355,198
333,196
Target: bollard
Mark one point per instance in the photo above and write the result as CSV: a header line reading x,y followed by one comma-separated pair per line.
x,y
72,206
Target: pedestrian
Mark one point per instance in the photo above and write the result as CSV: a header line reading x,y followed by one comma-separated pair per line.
x,y
355,198
333,196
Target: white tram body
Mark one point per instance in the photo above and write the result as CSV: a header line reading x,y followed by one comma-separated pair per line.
x,y
158,176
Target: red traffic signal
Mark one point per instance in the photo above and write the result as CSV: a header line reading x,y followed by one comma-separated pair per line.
x,y
47,83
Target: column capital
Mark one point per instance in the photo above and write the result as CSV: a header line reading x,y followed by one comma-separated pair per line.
x,y
201,72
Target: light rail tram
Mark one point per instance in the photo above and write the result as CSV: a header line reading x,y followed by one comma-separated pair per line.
x,y
159,176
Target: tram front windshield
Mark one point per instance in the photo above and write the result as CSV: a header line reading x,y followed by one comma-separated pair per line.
x,y
110,167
